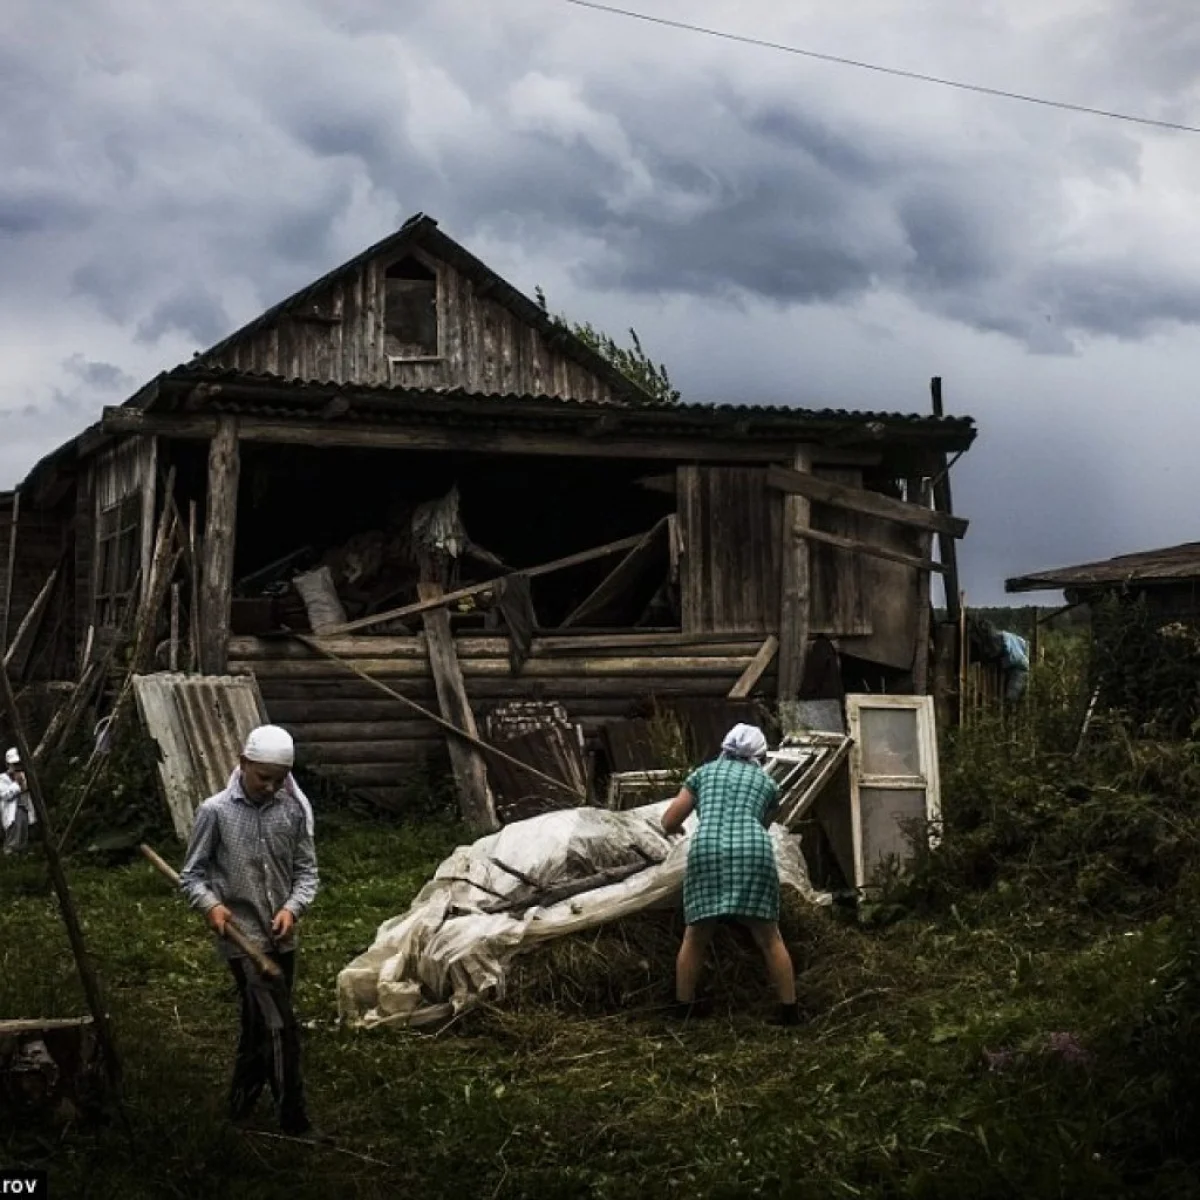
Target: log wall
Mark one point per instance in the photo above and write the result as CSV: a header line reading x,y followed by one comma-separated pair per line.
x,y
371,741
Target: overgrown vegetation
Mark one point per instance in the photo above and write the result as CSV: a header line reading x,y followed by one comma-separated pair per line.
x,y
632,361
1018,1018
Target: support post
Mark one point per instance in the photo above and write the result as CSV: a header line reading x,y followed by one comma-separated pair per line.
x,y
470,769
794,580
947,550
216,586
920,670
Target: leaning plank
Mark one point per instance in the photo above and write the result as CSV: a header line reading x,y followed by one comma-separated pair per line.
x,y
620,579
470,769
18,653
795,578
477,589
845,543
873,504
753,673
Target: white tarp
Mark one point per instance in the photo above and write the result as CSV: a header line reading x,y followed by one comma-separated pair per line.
x,y
449,951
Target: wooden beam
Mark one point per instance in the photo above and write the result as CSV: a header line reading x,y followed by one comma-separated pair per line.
x,y
216,586
149,484
470,770
947,550
873,504
477,589
753,673
17,654
846,543
795,600
623,576
704,448
920,671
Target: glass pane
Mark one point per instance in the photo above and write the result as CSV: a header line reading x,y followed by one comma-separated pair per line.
x,y
889,741
893,820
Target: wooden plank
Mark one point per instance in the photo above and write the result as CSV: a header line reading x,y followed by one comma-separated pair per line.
x,y
644,667
872,504
476,589
754,672
620,579
859,547
17,655
920,671
947,549
314,432
794,600
216,587
470,769
149,484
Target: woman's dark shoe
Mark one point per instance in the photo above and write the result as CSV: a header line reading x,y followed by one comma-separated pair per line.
x,y
690,1010
786,1014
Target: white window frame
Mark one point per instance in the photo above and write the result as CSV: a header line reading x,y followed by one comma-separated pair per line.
x,y
927,780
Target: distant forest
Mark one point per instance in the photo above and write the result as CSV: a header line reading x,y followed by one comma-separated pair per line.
x,y
1020,620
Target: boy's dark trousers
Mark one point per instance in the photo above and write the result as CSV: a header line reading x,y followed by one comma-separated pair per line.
x,y
268,1051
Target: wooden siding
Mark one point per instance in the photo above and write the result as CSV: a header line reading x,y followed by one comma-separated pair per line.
x,y
372,742
731,528
483,347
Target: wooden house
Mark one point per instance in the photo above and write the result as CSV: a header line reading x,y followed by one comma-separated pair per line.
x,y
669,550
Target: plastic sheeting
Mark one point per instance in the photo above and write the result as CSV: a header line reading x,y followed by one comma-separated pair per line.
x,y
506,894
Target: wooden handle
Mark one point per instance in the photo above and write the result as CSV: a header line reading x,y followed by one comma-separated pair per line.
x,y
232,931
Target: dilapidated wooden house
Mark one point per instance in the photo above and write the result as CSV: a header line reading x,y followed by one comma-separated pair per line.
x,y
647,551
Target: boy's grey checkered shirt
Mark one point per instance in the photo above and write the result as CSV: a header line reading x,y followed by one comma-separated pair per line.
x,y
253,858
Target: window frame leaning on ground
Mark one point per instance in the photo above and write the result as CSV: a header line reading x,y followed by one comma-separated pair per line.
x,y
868,814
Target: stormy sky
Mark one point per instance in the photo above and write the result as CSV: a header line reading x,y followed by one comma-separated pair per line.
x,y
777,229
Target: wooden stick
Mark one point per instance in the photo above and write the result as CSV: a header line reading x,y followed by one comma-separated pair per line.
x,y
173,658
314,645
10,571
753,673
31,617
194,599
477,589
232,930
845,543
87,974
947,550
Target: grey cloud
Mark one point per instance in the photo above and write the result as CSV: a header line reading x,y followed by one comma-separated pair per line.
x,y
104,376
196,312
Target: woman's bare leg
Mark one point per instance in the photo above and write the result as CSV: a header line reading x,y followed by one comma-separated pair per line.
x,y
690,961
779,962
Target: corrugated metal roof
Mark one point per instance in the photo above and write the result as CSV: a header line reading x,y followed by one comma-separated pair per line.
x,y
200,723
1146,566
278,396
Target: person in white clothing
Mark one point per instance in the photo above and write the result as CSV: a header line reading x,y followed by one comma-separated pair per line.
x,y
16,808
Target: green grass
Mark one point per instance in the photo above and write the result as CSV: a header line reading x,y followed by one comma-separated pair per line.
x,y
1063,900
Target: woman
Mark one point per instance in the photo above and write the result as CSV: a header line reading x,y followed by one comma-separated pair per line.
x,y
731,870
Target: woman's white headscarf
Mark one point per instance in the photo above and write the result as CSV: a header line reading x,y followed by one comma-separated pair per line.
x,y
746,742
273,746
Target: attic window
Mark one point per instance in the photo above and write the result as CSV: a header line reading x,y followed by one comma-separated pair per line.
x,y
410,310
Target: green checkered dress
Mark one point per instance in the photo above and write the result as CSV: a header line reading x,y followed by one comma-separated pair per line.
x,y
731,863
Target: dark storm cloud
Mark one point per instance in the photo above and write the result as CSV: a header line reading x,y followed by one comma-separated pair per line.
x,y
195,312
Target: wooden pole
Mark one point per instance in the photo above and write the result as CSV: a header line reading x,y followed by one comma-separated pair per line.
x,y
220,527
920,670
947,550
10,571
470,770
173,659
194,594
233,931
794,590
962,657
87,974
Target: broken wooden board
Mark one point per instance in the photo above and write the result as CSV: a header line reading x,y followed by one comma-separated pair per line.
x,y
540,734
200,723
49,1068
597,608
470,770
754,672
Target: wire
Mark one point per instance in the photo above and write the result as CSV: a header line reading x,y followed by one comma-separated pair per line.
x,y
745,40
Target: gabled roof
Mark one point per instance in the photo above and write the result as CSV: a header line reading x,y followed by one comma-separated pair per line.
x,y
422,232
1147,566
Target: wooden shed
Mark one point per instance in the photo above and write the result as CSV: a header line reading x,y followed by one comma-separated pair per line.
x,y
652,551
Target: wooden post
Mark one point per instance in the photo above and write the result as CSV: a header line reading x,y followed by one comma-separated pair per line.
x,y
947,550
87,974
216,584
963,657
149,467
194,591
920,670
794,579
470,770
173,660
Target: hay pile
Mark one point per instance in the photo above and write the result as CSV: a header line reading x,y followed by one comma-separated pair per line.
x,y
628,966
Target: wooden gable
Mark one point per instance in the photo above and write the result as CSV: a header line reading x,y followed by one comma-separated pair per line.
x,y
405,316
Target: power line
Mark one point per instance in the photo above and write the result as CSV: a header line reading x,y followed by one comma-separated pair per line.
x,y
745,40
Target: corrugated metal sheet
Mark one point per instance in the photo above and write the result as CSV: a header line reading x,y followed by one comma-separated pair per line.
x,y
200,723
1171,563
